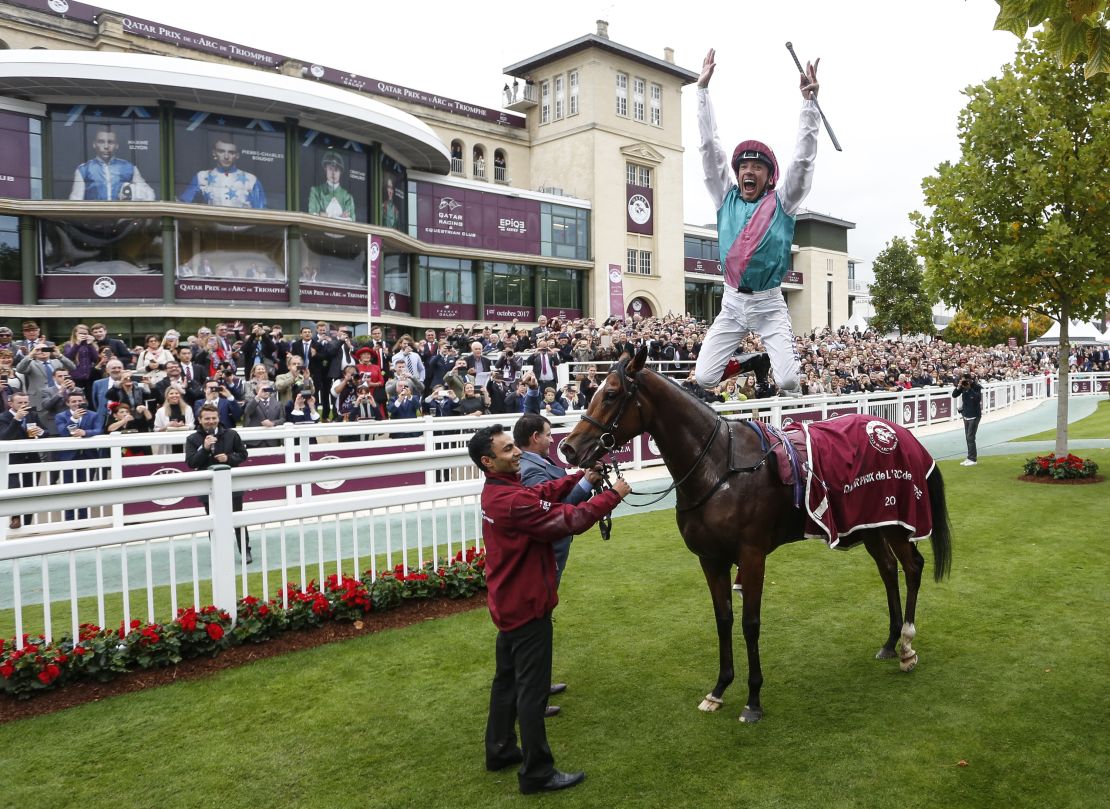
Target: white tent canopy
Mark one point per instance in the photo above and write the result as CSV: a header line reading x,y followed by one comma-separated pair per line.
x,y
1078,334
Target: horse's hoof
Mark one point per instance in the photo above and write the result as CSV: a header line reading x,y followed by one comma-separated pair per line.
x,y
885,654
751,715
710,704
908,664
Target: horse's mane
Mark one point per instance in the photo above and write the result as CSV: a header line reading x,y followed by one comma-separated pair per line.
x,y
622,365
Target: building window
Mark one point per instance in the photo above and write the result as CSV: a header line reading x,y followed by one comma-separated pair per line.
x,y
457,157
564,232
333,259
395,274
479,163
560,98
622,94
639,262
447,280
500,167
656,105
694,247
106,247
508,284
637,175
572,80
638,98
560,289
209,249
10,267
545,102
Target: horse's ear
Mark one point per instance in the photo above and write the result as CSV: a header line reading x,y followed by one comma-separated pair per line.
x,y
636,364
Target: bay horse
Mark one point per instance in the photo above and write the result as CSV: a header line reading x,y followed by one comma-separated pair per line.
x,y
729,516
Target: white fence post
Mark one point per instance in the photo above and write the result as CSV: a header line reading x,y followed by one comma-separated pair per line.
x,y
223,540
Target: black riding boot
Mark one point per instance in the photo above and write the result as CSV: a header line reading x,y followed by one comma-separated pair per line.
x,y
759,363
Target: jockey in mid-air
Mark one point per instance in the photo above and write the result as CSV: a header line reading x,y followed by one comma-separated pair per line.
x,y
755,228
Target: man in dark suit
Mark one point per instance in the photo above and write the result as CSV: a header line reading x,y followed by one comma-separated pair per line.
x,y
77,422
18,423
213,444
217,395
475,361
532,433
543,364
118,348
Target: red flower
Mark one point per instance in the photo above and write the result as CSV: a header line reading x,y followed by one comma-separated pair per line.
x,y
7,670
263,610
80,650
215,631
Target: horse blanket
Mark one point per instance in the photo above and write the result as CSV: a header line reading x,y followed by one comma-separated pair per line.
x,y
862,472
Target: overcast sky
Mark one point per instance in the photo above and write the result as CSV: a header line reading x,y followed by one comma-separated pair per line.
x,y
892,73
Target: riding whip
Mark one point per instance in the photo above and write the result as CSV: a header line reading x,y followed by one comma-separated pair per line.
x,y
832,137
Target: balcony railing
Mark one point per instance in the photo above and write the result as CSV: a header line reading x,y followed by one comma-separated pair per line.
x,y
479,170
500,174
456,165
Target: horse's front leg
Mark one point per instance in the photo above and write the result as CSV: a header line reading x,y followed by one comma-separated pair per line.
x,y
752,564
720,588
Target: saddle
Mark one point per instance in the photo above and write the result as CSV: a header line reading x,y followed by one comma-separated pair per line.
x,y
788,454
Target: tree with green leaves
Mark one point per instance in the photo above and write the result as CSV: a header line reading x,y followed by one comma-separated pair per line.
x,y
992,331
898,292
1073,28
1022,221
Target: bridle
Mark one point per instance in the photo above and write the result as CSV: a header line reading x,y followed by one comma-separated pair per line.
x,y
607,441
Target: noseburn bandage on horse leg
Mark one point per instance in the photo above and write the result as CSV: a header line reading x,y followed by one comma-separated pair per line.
x,y
907,656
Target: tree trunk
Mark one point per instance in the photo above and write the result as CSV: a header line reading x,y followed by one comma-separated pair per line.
x,y
1063,389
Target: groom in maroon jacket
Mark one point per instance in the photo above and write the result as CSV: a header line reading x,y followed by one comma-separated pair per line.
x,y
519,525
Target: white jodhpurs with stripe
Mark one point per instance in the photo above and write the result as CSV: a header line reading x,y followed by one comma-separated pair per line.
x,y
764,313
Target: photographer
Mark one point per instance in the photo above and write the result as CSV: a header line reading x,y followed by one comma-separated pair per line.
x,y
970,405
37,370
405,406
258,348
297,380
458,376
509,363
401,374
440,402
18,423
302,410
217,395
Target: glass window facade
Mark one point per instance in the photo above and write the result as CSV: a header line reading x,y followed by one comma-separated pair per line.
x,y
333,259
693,247
9,249
559,288
507,284
703,300
395,273
95,246
447,280
230,251
564,232
105,154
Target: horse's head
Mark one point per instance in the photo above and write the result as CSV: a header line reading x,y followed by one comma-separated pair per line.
x,y
610,420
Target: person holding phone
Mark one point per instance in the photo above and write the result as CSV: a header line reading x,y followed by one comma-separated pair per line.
x,y
302,410
18,423
217,395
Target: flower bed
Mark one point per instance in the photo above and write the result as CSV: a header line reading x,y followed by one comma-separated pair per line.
x,y
1068,467
101,654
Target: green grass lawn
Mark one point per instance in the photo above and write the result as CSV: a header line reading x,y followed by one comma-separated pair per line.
x,y
1096,425
1012,680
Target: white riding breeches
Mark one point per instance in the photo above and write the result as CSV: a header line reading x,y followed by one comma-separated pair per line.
x,y
764,313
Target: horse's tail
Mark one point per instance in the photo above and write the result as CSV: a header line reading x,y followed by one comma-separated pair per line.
x,y
941,539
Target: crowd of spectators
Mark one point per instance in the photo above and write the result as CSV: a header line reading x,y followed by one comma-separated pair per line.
x,y
91,383
256,376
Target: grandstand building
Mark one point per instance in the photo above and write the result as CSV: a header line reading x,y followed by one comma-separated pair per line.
x,y
152,177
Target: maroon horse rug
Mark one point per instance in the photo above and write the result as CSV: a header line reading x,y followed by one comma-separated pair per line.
x,y
862,472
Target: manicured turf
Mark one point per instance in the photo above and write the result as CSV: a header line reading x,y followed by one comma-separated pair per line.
x,y
1012,680
1096,425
